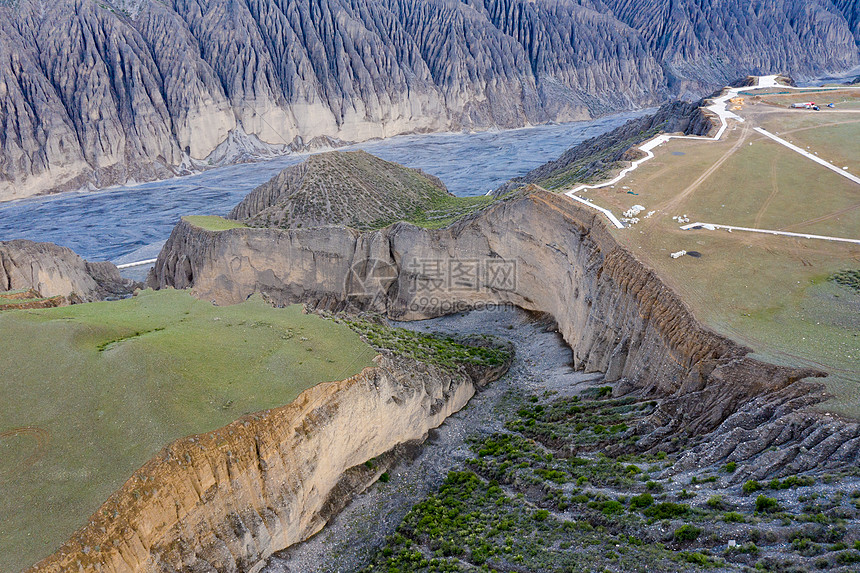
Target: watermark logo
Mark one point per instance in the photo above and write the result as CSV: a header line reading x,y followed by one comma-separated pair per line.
x,y
440,285
371,277
428,275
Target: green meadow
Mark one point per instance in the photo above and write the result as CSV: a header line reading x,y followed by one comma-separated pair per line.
x,y
90,392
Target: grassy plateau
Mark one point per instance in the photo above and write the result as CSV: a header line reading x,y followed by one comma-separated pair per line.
x,y
772,293
92,391
213,222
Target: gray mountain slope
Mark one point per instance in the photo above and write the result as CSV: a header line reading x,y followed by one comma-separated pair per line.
x,y
94,92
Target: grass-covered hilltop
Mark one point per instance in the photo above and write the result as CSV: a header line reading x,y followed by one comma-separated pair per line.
x,y
352,188
92,391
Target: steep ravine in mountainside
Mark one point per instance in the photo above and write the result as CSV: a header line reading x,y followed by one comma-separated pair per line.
x,y
226,500
615,314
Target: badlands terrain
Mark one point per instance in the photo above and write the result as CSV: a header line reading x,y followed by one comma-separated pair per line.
x,y
95,93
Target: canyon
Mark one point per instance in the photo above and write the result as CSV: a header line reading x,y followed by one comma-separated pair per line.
x,y
229,499
614,313
226,500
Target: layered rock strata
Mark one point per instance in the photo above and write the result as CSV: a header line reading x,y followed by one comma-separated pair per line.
x,y
57,271
226,500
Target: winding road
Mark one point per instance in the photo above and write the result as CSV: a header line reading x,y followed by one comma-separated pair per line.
x,y
719,107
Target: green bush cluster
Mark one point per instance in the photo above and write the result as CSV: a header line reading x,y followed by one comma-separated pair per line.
x,y
471,523
687,532
445,351
752,486
667,510
848,278
765,504
641,501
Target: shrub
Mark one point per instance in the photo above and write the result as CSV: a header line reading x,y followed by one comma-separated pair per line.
x,y
667,510
847,557
764,504
540,515
733,517
794,481
805,546
384,477
748,548
751,486
687,532
695,558
653,486
730,467
612,507
717,503
641,501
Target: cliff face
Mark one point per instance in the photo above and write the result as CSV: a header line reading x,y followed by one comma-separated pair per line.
x,y
851,11
98,93
57,271
538,252
228,499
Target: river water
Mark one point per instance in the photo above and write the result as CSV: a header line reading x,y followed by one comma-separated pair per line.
x,y
130,223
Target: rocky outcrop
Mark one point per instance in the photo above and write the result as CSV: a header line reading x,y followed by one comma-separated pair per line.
x,y
777,434
94,93
341,188
226,500
57,271
851,11
28,299
539,252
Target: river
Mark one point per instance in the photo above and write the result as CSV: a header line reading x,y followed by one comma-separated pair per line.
x,y
129,223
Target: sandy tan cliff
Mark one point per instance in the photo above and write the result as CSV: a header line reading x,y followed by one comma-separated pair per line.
x,y
226,500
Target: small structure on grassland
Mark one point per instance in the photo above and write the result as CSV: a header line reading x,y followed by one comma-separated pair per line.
x,y
805,105
678,254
